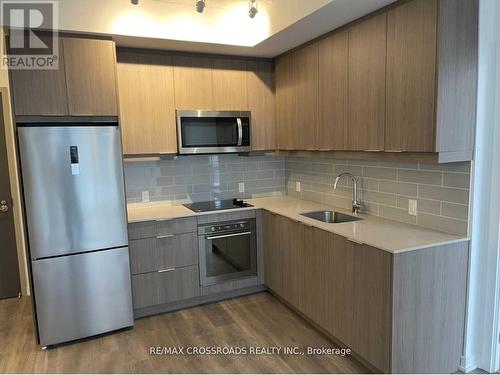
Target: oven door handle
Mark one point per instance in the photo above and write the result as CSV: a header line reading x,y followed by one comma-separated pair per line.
x,y
228,235
240,131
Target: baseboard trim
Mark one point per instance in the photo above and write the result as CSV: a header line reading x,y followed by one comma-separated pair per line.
x,y
196,301
467,363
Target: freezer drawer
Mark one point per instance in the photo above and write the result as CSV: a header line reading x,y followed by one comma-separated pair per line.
x,y
82,295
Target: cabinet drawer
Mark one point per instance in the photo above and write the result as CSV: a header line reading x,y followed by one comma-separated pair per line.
x,y
149,289
154,254
147,229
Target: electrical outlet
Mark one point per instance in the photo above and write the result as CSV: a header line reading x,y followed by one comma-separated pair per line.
x,y
412,207
297,186
241,187
145,196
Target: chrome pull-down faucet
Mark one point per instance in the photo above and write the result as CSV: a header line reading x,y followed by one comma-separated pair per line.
x,y
356,205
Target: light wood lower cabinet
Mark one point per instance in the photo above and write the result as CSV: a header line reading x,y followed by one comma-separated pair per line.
x,y
273,275
401,313
372,304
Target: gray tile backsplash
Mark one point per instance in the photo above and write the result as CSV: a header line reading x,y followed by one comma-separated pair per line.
x,y
206,177
441,190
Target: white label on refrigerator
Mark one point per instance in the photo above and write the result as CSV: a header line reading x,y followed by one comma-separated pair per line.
x,y
75,169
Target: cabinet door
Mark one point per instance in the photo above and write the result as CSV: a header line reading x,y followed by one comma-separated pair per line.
x,y
372,304
193,82
411,76
272,255
261,102
366,108
339,284
40,92
306,87
147,110
315,249
229,84
333,70
286,103
289,232
90,76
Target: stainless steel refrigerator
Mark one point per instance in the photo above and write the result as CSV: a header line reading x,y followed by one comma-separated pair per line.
x,y
75,208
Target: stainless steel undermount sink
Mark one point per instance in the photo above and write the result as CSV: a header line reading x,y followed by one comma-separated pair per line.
x,y
330,216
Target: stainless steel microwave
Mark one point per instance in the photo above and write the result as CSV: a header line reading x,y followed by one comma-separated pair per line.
x,y
213,132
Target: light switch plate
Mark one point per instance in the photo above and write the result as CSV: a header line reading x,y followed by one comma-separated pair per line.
x,y
412,207
297,186
145,196
241,187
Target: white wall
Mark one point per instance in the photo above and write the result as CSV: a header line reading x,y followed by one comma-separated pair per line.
x,y
481,344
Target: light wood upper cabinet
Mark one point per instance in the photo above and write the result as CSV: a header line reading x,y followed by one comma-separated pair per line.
x,y
40,92
306,85
297,99
411,72
83,85
90,76
193,82
286,103
261,102
366,108
147,110
229,84
333,89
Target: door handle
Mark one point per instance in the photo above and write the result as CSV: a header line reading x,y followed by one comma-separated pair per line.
x,y
229,235
3,206
240,131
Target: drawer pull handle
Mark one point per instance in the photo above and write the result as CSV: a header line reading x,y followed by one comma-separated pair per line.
x,y
166,270
161,220
164,236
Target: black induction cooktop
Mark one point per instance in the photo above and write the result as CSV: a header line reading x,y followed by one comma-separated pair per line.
x,y
217,205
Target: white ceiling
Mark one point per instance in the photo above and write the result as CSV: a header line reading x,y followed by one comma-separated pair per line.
x,y
224,27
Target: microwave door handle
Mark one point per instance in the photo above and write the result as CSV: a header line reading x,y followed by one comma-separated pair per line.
x,y
240,131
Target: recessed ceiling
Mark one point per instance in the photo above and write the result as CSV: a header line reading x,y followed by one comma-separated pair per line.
x,y
224,27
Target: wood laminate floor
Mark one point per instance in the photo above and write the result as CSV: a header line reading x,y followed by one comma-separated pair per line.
x,y
258,320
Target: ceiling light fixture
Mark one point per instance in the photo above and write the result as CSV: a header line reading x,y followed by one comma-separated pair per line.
x,y
200,6
134,2
252,8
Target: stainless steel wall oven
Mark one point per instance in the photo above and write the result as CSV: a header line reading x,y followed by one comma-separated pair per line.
x,y
228,251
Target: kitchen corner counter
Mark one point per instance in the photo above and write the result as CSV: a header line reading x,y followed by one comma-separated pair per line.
x,y
388,235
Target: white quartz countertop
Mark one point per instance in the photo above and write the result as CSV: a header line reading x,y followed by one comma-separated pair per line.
x,y
387,235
